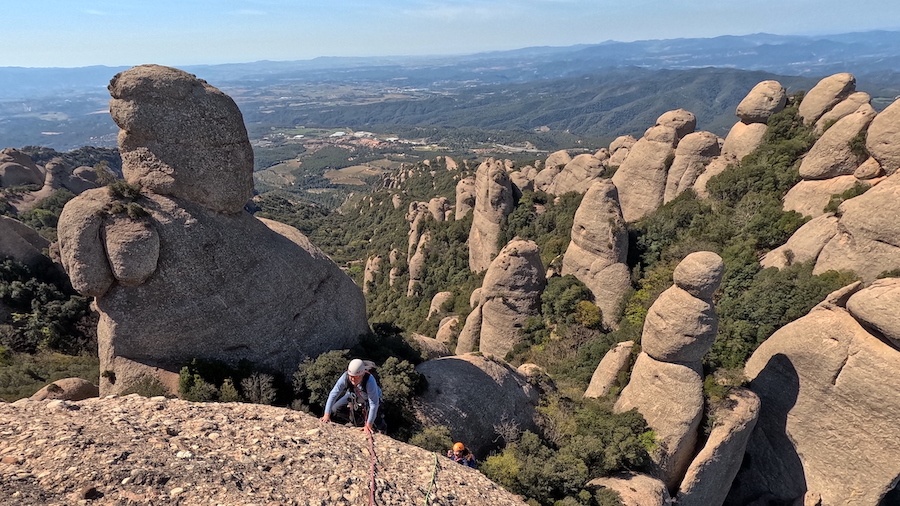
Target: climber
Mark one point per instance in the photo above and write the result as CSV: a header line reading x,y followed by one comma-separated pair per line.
x,y
461,455
357,388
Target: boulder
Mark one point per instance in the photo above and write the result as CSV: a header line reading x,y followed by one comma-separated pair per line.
x,y
713,469
447,329
176,279
371,272
683,121
716,166
473,395
847,106
67,389
438,208
641,179
883,138
699,274
820,380
511,293
18,169
679,327
430,348
493,202
876,309
619,149
465,196
417,264
805,245
834,154
824,95
743,139
467,342
870,169
694,152
21,242
635,489
437,303
577,175
811,197
764,100
868,238
598,251
606,375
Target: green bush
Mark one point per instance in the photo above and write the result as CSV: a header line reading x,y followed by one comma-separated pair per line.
x,y
147,386
435,438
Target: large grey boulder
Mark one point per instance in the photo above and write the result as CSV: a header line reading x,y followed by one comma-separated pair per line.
x,y
833,154
883,138
641,179
712,471
682,120
716,166
493,202
764,100
694,152
510,294
552,167
826,94
619,149
743,139
67,389
876,308
598,251
177,279
828,419
473,396
437,303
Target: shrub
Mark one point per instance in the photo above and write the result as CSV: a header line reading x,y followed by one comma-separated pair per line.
x,y
258,388
147,386
435,438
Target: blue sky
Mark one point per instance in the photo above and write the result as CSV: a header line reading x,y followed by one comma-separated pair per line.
x,y
72,33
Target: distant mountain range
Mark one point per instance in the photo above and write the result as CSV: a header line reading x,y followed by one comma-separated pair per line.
x,y
597,90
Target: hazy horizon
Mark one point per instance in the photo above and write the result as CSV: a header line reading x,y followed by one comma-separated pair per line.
x,y
76,33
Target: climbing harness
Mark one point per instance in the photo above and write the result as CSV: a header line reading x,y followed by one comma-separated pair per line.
x,y
433,480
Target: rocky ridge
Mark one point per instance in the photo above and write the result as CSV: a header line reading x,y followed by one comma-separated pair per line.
x,y
135,450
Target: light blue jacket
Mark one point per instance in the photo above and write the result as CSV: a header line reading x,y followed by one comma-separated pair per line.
x,y
340,395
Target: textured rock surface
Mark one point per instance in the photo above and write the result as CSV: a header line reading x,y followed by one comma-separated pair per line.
x,y
826,94
805,245
67,389
619,149
821,380
190,280
832,155
764,100
847,106
692,155
679,327
635,489
465,196
21,242
868,238
876,308
510,294
641,179
598,250
577,175
605,376
134,450
437,302
883,138
683,121
471,394
810,197
17,169
743,139
493,202
713,469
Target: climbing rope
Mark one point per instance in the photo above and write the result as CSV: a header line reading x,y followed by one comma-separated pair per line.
x,y
433,480
372,468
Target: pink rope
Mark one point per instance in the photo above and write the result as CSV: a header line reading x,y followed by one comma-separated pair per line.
x,y
372,469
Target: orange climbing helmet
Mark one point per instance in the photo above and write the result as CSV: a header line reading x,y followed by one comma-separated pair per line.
x,y
458,447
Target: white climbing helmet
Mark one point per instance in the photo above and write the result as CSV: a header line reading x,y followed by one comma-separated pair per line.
x,y
356,367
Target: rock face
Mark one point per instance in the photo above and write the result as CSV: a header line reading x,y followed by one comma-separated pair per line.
x,y
641,179
577,175
180,271
743,139
718,462
882,138
493,202
692,155
21,242
868,237
471,395
134,450
635,489
876,307
847,106
465,197
372,272
811,197
833,154
821,379
510,294
805,245
666,384
18,169
598,250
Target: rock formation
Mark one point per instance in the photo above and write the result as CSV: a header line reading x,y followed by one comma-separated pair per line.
x,y
372,272
67,389
641,179
824,95
764,100
21,242
179,270
472,395
135,450
510,294
417,264
821,382
616,361
437,303
882,138
666,384
18,169
635,489
493,202
692,155
598,250
577,175
619,149
465,196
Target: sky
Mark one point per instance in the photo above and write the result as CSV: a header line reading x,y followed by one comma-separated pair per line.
x,y
75,33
